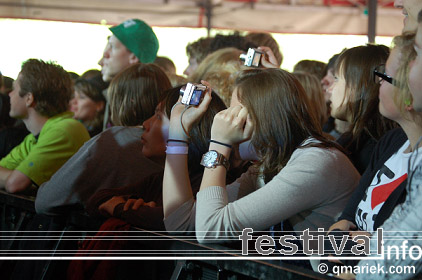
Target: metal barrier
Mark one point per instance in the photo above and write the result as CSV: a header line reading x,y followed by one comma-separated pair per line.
x,y
214,262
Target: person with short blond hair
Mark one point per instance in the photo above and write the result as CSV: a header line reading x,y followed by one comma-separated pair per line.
x,y
220,69
406,217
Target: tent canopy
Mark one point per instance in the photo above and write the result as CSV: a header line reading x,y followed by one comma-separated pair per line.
x,y
281,16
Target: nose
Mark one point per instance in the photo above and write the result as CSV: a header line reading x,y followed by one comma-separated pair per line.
x,y
11,93
106,54
146,125
187,71
101,62
324,81
329,91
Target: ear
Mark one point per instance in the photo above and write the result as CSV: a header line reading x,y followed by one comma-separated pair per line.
x,y
408,108
99,106
29,100
133,59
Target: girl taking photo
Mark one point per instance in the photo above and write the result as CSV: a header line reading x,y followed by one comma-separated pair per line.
x,y
300,178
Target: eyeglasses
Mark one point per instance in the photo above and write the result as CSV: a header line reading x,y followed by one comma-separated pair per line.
x,y
380,75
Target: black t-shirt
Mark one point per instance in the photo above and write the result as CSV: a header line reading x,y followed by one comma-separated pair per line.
x,y
10,138
359,151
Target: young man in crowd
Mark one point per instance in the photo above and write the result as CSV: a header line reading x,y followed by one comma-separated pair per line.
x,y
133,41
40,98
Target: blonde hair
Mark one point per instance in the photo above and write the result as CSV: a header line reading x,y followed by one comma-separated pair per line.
x,y
402,95
220,69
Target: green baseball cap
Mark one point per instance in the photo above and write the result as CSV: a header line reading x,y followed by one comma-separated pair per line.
x,y
139,38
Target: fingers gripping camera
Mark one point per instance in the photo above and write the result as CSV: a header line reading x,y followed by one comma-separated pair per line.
x,y
192,94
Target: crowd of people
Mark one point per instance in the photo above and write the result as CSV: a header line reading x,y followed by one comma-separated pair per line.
x,y
332,145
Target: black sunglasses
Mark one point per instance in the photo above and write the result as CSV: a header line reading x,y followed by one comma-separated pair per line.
x,y
379,75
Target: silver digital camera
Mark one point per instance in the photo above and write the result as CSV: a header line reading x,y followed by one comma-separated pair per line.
x,y
252,58
192,94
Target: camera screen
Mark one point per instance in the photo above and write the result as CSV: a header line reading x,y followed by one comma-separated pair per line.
x,y
256,59
196,97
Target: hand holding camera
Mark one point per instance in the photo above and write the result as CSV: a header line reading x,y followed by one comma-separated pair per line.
x,y
192,94
232,125
268,60
262,56
192,104
252,58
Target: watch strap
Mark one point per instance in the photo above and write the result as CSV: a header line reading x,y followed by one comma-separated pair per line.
x,y
222,160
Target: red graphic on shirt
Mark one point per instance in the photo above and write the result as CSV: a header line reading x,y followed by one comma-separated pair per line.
x,y
381,193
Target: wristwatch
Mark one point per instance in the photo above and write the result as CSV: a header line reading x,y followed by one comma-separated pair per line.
x,y
212,159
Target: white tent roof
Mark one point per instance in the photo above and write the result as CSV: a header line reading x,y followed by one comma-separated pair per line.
x,y
279,16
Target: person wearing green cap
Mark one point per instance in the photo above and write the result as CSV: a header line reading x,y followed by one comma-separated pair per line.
x,y
133,41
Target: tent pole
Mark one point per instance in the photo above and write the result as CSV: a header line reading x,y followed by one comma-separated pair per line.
x,y
372,20
208,13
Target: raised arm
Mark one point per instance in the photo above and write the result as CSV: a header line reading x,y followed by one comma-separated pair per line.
x,y
176,183
230,127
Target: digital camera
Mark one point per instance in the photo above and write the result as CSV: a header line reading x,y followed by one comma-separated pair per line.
x,y
252,58
192,94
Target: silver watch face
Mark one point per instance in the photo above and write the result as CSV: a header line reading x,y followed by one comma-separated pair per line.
x,y
210,158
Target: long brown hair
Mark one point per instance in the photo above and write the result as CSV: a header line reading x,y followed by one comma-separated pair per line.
x,y
356,65
402,93
281,115
134,93
314,91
